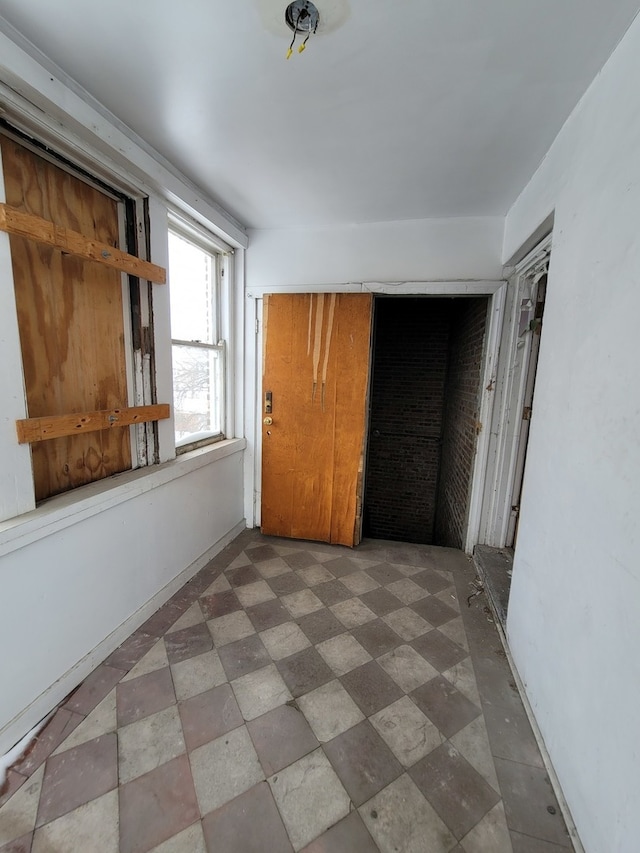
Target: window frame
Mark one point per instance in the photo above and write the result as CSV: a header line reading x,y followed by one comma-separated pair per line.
x,y
222,254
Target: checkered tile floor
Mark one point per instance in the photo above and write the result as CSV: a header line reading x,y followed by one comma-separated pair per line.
x,y
293,696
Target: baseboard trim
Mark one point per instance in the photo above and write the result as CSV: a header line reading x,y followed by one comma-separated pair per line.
x,y
34,713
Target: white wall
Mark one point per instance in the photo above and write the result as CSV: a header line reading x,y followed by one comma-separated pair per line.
x,y
79,573
410,250
574,612
69,597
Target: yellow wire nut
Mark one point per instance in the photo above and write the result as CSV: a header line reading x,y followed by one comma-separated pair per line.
x,y
289,53
301,48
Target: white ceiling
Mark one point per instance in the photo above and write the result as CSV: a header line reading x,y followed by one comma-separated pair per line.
x,y
410,109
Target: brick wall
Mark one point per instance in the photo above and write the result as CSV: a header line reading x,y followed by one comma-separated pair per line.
x,y
462,399
407,393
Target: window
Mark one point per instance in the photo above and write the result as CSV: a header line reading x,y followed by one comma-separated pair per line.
x,y
195,273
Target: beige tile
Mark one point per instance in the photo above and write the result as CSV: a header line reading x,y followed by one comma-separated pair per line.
x,y
224,768
284,640
472,742
260,691
18,815
454,630
352,613
148,743
405,821
192,616
240,560
491,834
190,840
407,591
358,583
463,679
330,711
154,659
408,669
310,797
313,575
254,593
198,674
100,721
407,731
220,584
229,628
343,653
407,624
301,603
272,568
93,826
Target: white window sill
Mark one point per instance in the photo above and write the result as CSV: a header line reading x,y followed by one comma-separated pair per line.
x,y
68,509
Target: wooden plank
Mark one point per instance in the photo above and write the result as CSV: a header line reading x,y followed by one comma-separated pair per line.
x,y
41,230
71,318
31,430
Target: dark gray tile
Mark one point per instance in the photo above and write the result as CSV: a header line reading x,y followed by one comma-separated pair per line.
x,y
157,806
144,696
436,612
20,845
341,566
130,652
445,706
281,737
260,553
250,823
187,643
299,559
381,601
511,735
320,626
77,776
268,614
384,574
56,730
209,715
440,651
304,671
371,688
431,581
332,592
93,689
220,604
529,802
350,835
243,656
377,638
526,844
286,584
363,761
243,575
454,788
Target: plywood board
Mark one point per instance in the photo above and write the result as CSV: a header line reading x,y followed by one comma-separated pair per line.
x,y
70,315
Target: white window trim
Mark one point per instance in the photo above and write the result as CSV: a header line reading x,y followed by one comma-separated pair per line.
x,y
192,231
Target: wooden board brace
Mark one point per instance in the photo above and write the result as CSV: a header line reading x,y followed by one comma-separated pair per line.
x,y
15,221
31,430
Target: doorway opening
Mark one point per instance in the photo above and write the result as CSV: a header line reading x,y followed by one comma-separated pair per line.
x,y
423,423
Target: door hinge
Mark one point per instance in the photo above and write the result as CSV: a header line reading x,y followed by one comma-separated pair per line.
x,y
257,326
526,413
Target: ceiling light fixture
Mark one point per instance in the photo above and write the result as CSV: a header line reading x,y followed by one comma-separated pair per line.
x,y
301,16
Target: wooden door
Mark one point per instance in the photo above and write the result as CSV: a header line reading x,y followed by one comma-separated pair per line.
x,y
316,376
70,315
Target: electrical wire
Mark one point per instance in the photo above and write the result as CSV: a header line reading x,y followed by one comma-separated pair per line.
x,y
295,33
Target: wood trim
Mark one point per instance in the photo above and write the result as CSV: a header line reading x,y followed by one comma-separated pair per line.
x,y
27,225
31,430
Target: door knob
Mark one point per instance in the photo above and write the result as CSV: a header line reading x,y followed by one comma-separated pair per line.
x,y
267,421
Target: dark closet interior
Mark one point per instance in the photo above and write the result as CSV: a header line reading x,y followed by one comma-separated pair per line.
x,y
423,422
